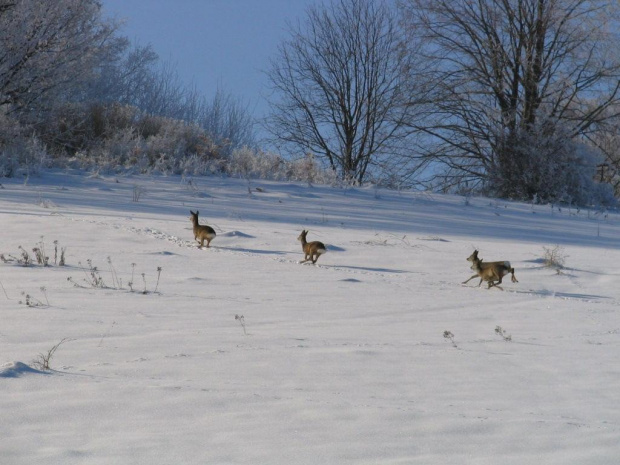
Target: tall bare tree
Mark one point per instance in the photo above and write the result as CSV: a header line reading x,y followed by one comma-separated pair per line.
x,y
339,88
134,75
513,78
47,47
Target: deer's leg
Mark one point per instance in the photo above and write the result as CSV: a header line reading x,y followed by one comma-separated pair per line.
x,y
465,282
495,284
492,283
514,279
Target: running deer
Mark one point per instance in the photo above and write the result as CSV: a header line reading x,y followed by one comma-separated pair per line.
x,y
490,272
312,250
201,232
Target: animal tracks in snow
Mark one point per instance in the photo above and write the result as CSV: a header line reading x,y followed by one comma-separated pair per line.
x,y
392,275
386,273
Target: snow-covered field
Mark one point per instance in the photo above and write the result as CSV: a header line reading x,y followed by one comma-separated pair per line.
x,y
344,362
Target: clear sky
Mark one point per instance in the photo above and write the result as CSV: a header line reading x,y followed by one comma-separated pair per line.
x,y
225,43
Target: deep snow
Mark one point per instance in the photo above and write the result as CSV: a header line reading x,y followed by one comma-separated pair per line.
x,y
344,362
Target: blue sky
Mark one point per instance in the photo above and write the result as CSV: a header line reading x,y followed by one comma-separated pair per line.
x,y
225,43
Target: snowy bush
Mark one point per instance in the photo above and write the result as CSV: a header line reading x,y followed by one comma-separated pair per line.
x,y
23,155
196,165
547,164
77,127
114,137
554,257
249,164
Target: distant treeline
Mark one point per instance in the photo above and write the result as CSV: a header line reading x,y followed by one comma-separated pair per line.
x,y
515,99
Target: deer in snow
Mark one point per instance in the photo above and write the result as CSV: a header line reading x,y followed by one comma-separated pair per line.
x,y
312,250
491,272
201,232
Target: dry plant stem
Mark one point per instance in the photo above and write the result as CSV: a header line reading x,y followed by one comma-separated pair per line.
x,y
502,333
133,269
44,290
241,320
106,334
449,335
43,362
4,290
115,280
158,275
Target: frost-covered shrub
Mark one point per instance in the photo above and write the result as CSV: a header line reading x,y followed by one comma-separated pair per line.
x,y
547,164
20,150
109,155
582,188
115,137
25,155
607,137
248,163
119,137
175,143
554,257
119,150
256,164
10,129
78,127
307,169
195,165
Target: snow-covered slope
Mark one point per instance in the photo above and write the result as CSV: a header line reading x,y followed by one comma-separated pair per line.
x,y
344,362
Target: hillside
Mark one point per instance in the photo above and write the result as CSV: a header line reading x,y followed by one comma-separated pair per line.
x,y
342,362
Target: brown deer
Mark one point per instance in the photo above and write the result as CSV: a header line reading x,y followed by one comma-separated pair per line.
x,y
491,272
201,232
312,250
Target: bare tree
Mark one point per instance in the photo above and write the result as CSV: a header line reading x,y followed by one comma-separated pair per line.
x,y
133,75
122,74
228,121
513,75
6,5
339,88
48,47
